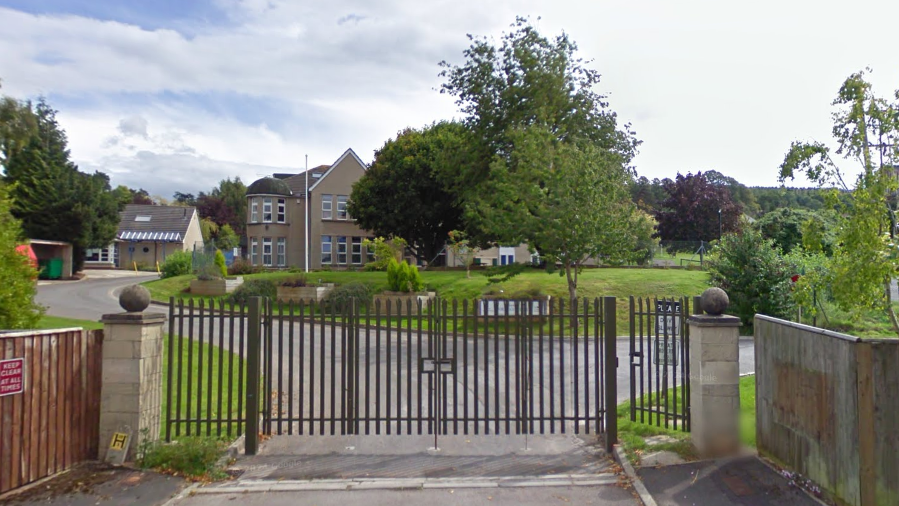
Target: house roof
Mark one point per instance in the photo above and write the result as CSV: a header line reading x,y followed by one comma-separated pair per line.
x,y
297,183
269,186
154,223
348,152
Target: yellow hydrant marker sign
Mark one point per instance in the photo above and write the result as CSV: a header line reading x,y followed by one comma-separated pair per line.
x,y
118,446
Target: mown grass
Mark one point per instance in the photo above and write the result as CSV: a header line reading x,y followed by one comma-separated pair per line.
x,y
193,400
633,434
452,284
59,322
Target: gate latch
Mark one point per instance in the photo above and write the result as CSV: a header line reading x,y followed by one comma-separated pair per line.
x,y
430,365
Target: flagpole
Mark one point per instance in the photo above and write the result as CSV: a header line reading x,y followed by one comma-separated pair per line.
x,y
306,213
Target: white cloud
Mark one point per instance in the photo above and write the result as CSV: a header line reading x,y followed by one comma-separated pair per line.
x,y
706,84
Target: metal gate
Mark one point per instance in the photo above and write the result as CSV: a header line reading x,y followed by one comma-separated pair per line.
x,y
660,362
442,367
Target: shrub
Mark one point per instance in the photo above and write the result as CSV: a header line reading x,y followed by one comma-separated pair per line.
x,y
295,281
193,457
17,275
177,264
414,281
253,288
340,296
754,274
241,267
220,262
384,250
402,277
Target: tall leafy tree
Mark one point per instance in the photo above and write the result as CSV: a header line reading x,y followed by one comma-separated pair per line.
x,y
569,201
691,210
527,80
400,195
738,192
865,257
51,197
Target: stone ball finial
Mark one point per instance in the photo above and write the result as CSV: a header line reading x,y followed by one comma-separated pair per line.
x,y
714,301
134,298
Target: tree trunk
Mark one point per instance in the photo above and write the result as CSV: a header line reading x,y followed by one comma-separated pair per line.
x,y
890,310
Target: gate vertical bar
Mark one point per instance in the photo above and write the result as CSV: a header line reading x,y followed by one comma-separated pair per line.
x,y
631,357
598,394
168,390
610,333
290,377
465,364
254,342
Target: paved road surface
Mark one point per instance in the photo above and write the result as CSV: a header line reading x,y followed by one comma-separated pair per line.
x,y
90,298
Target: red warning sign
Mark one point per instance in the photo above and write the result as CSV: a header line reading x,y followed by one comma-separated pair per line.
x,y
12,376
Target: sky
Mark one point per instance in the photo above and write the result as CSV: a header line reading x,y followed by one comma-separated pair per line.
x,y
176,95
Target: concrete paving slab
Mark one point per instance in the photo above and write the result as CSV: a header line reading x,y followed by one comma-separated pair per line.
x,y
609,495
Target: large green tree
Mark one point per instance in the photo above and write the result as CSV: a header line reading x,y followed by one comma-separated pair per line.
x,y
528,80
865,257
17,277
568,201
400,195
51,197
692,210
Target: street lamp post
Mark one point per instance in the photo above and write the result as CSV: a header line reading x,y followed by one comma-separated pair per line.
x,y
719,224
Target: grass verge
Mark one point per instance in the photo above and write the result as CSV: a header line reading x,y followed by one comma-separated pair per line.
x,y
633,434
201,396
195,458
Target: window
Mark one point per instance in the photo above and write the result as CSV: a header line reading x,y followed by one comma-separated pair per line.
x,y
370,252
254,210
267,251
282,211
341,207
143,218
341,250
254,244
326,207
267,210
326,250
282,251
357,251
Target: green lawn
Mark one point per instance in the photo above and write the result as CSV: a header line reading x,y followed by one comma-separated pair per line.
x,y
59,322
632,434
452,284
193,400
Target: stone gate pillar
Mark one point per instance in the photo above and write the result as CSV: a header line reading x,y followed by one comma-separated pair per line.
x,y
714,377
132,372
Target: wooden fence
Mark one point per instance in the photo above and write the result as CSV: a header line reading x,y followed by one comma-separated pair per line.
x,y
54,422
826,407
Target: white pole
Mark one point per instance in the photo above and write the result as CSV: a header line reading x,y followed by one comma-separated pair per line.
x,y
306,213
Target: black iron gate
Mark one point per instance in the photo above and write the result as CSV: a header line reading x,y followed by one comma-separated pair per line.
x,y
501,367
660,362
441,367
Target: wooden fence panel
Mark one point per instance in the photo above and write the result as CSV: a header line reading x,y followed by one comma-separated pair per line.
x,y
54,423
